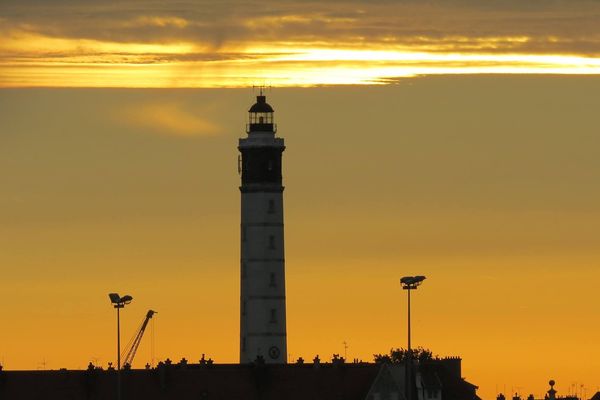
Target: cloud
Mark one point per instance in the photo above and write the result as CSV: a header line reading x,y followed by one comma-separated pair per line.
x,y
573,22
168,119
161,22
162,44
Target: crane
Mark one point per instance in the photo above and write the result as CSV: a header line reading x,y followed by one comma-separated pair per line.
x,y
134,343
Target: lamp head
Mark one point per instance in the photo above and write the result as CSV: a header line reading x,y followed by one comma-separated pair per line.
x,y
411,282
119,301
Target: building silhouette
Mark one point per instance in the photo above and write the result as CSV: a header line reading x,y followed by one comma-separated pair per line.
x,y
253,381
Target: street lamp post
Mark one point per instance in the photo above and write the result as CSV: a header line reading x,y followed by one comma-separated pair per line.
x,y
410,283
118,303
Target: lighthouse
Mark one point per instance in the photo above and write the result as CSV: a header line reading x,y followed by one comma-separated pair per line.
x,y
262,261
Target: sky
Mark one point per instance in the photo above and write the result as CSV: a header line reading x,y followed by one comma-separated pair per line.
x,y
455,139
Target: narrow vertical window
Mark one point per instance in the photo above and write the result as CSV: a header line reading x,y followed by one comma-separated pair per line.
x,y
272,280
273,318
271,242
271,208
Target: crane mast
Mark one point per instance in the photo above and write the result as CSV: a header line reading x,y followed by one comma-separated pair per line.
x,y
134,343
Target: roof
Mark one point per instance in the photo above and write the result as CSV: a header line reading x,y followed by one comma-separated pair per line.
x,y
261,105
389,383
223,381
596,396
229,381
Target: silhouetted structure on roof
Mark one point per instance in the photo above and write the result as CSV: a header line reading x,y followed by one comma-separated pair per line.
x,y
550,395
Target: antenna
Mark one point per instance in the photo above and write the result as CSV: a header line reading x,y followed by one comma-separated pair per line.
x,y
261,88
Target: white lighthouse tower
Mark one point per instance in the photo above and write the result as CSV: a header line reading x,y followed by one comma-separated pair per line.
x,y
262,308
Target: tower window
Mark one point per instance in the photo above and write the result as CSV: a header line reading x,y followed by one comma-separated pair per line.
x,y
273,318
272,282
271,242
271,209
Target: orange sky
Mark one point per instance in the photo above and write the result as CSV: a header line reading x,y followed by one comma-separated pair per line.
x,y
480,171
495,200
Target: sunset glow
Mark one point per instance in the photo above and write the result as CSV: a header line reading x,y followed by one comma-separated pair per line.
x,y
35,60
456,139
141,65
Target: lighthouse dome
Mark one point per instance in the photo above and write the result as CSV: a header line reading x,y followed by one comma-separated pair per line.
x,y
261,106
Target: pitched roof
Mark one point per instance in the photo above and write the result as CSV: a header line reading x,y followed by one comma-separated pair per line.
x,y
390,379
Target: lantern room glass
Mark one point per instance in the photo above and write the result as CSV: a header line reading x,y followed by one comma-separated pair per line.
x,y
261,118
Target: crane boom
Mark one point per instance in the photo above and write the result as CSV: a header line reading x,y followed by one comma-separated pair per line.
x,y
133,345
